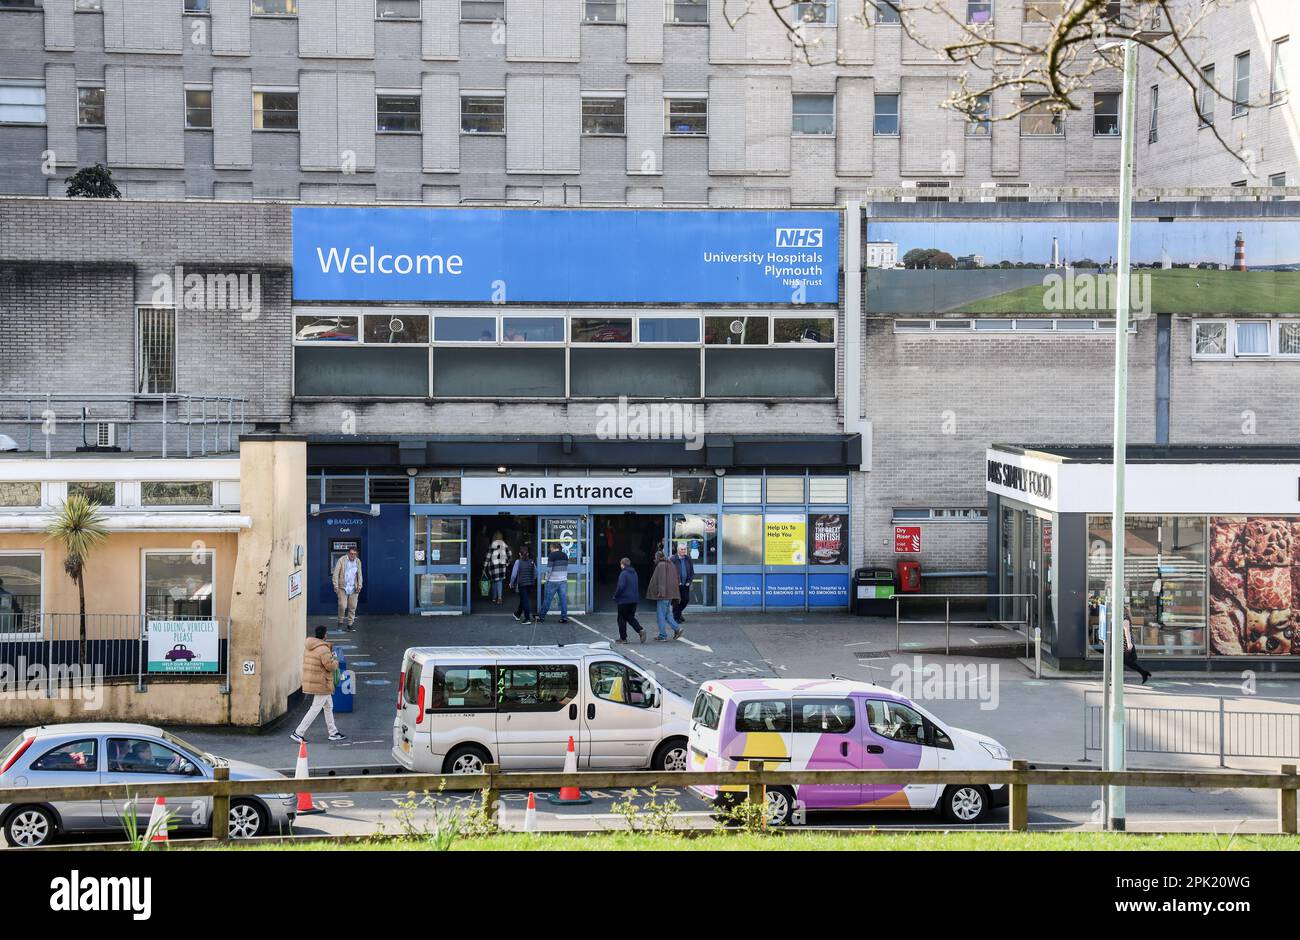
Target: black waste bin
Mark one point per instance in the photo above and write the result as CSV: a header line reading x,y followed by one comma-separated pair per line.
x,y
873,591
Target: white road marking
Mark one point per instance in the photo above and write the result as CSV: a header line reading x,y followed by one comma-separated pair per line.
x,y
699,646
687,679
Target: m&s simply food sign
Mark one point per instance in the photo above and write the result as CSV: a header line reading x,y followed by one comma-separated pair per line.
x,y
565,255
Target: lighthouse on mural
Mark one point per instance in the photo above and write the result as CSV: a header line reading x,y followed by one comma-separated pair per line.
x,y
1239,253
1056,253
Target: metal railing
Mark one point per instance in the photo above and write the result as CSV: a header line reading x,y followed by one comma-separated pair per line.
x,y
209,424
754,781
1215,731
948,622
45,653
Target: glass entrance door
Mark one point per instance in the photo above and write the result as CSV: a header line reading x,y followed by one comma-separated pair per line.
x,y
440,564
568,534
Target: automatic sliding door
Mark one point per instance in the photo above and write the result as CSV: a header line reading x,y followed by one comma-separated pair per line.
x,y
440,564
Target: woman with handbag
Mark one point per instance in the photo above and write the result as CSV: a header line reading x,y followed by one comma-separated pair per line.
x,y
495,565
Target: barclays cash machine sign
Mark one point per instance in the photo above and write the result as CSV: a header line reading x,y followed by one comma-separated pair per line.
x,y
565,255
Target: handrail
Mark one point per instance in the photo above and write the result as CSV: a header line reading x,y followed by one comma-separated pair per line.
x,y
947,620
1019,777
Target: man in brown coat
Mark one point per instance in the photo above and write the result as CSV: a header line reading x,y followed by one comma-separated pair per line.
x,y
318,665
663,591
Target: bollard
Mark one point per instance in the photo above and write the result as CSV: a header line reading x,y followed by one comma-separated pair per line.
x,y
1019,800
491,796
1286,804
221,806
1038,652
756,792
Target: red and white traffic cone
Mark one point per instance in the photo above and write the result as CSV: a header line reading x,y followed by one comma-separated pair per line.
x,y
530,814
157,830
305,804
570,794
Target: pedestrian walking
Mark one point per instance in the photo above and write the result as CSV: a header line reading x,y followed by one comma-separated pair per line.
x,y
495,565
1130,648
627,593
523,578
663,590
557,583
685,569
347,579
319,667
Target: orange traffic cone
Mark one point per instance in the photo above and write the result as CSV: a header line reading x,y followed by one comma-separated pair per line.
x,y
157,830
570,794
305,804
530,814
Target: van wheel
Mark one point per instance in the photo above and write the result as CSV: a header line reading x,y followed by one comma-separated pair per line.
x,y
671,755
29,827
466,759
780,804
965,804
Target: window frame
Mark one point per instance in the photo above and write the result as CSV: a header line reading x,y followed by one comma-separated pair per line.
x,y
670,9
1240,102
140,375
44,103
1208,97
276,90
466,96
876,114
500,4
403,93
291,9
419,13
1277,337
1227,339
206,11
618,96
668,113
620,13
1278,92
979,123
117,491
210,552
824,701
830,12
1058,119
1098,115
103,105
39,614
211,503
1238,323
795,130
1153,120
988,7
200,89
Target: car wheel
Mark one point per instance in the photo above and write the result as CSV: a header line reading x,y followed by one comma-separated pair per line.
x,y
780,804
466,759
965,804
30,826
671,755
247,819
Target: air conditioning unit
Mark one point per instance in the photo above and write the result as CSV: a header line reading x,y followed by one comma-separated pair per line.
x,y
105,434
931,186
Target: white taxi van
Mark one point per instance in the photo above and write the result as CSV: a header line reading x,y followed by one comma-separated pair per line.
x,y
461,708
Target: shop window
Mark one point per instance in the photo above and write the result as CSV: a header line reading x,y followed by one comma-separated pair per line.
x,y
736,331
692,489
699,533
785,489
742,539
437,489
178,584
742,490
828,489
532,329
326,328
19,494
176,494
20,592
397,327
97,494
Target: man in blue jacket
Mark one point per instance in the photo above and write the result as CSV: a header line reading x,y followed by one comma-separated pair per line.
x,y
626,595
685,576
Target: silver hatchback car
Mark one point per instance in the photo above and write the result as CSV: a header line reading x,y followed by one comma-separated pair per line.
x,y
138,755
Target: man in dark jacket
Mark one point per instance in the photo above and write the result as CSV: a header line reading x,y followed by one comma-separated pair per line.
x,y
626,595
685,577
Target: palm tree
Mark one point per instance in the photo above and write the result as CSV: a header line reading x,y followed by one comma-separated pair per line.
x,y
79,527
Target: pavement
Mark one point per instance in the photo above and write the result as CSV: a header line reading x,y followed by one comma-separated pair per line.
x,y
1037,719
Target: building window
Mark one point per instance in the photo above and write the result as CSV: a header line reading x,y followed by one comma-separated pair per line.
x,y
602,11
275,110
397,327
814,115
20,592
818,11
677,330
597,330
1240,84
89,6
1042,11
274,7
1153,130
198,493
397,113
19,495
602,117
90,106
483,114
887,13
1277,73
482,11
1211,339
742,535
1039,119
102,493
1252,338
196,6
156,361
886,119
736,331
979,11
325,328
1105,114
803,329
198,108
22,104
178,584
397,9
979,122
686,117
1207,99
688,12
1288,338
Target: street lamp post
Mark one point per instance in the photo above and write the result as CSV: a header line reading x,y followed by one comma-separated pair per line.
x,y
1116,738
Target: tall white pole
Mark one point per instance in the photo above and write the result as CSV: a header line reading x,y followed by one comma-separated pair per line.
x,y
1115,635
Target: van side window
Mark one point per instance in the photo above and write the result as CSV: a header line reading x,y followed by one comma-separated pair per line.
x,y
615,682
462,688
823,715
707,711
536,688
765,714
895,721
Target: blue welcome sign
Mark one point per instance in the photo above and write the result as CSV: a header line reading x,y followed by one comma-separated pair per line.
x,y
565,255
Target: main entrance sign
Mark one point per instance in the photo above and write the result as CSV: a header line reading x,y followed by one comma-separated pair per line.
x,y
628,492
565,255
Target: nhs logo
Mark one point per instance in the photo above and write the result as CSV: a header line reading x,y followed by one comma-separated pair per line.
x,y
798,238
